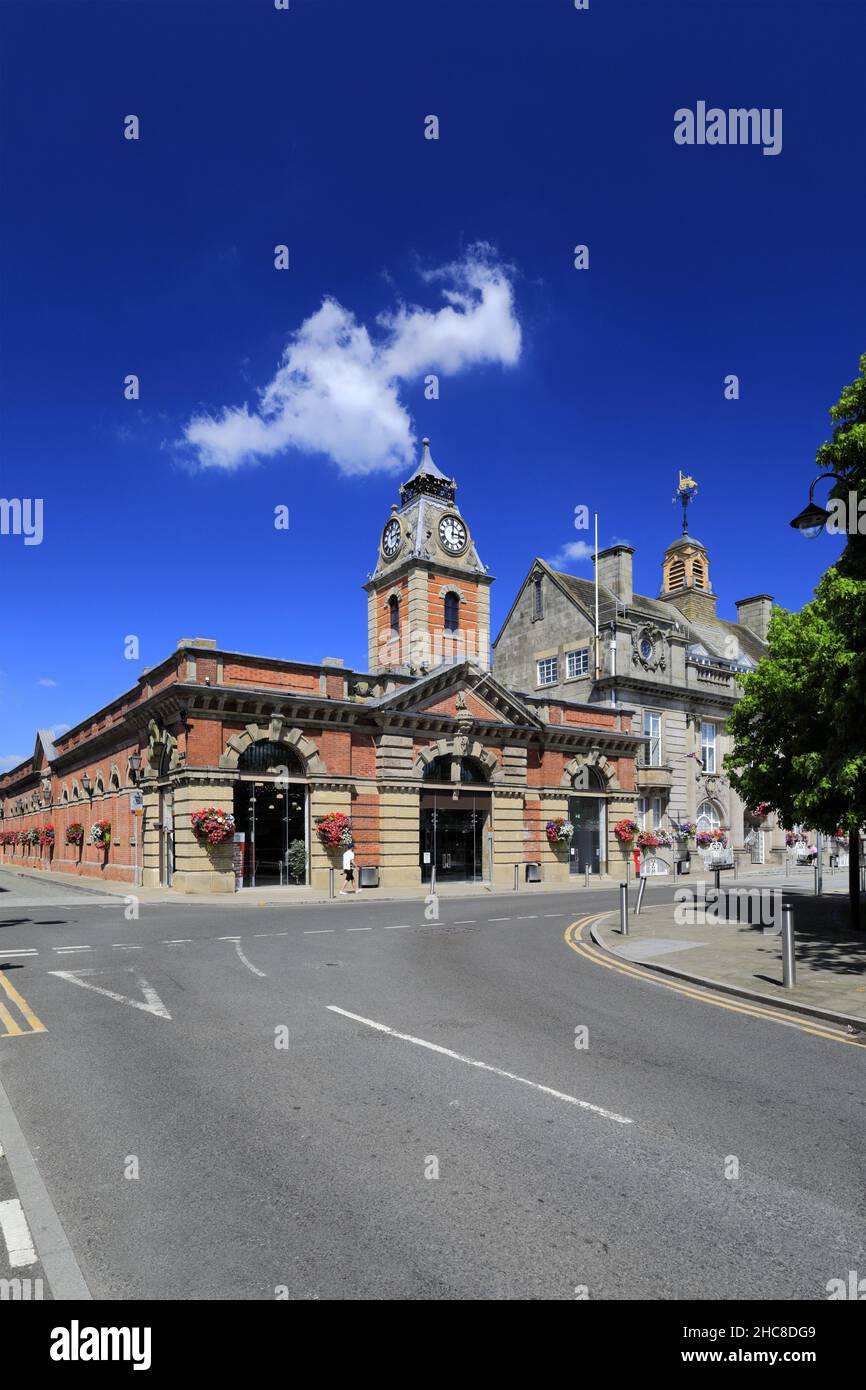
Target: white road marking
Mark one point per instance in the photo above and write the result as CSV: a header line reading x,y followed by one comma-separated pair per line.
x,y
16,1234
241,957
359,929
466,922
499,919
16,951
122,946
554,914
533,918
271,933
397,926
66,950
179,941
152,1005
483,1066
319,931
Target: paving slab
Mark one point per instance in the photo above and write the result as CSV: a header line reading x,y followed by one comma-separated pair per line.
x,y
830,955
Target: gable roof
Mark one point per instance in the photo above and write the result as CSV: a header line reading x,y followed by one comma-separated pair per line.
x,y
452,677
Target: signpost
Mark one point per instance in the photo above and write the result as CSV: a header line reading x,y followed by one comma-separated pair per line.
x,y
136,806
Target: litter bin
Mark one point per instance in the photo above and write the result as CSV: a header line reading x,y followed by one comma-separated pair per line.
x,y
533,873
368,877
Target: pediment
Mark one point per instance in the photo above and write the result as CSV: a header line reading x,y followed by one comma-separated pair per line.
x,y
463,690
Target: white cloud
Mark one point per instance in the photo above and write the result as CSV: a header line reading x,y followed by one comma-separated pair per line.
x,y
46,680
11,760
57,729
574,550
337,389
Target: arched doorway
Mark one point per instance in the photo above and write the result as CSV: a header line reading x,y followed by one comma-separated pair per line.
x,y
271,812
455,820
587,813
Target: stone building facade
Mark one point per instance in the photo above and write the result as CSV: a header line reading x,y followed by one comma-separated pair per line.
x,y
671,659
435,760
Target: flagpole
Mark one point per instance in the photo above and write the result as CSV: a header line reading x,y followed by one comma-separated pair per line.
x,y
597,673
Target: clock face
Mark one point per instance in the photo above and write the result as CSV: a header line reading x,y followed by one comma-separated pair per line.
x,y
452,534
392,537
646,648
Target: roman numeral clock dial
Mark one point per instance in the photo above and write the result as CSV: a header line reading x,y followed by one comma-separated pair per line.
x,y
392,538
452,534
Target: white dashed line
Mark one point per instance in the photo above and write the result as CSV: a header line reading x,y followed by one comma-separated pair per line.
x,y
22,951
16,1234
499,919
554,914
124,946
398,926
67,950
466,922
320,931
179,941
483,1066
359,929
533,918
271,933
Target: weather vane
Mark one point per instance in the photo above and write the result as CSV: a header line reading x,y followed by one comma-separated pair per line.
x,y
686,490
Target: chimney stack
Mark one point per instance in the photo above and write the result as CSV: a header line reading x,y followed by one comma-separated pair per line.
x,y
614,571
754,613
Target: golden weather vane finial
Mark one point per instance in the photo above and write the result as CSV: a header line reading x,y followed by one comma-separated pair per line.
x,y
686,490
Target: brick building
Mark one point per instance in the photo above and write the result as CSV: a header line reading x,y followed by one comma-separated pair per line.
x,y
433,758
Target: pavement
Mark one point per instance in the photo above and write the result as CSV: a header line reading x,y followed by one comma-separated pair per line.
x,y
830,957
361,1101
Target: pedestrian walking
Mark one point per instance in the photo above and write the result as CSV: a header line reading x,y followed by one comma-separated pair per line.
x,y
348,871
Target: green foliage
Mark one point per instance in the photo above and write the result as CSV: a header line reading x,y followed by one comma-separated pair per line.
x,y
800,729
296,859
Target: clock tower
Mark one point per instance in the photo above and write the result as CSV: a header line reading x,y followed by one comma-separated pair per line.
x,y
428,599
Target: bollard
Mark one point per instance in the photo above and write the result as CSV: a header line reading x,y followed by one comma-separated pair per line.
x,y
789,964
331,882
717,874
516,877
640,893
623,909
586,878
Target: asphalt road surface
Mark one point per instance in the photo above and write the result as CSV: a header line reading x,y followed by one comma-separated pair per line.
x,y
352,1101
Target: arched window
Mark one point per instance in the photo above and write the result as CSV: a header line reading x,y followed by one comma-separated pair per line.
x,y
452,612
697,574
676,574
266,756
708,817
394,613
439,770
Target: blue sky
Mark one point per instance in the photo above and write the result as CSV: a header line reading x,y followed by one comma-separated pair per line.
x,y
558,387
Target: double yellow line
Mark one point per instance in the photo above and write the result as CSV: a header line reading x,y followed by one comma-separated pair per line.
x,y
13,1028
575,939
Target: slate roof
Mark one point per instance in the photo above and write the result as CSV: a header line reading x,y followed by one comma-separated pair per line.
x,y
713,632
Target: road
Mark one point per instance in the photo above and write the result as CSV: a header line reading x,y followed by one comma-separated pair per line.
x,y
216,1109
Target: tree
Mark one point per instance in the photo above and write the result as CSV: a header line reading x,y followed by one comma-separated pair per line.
x,y
800,729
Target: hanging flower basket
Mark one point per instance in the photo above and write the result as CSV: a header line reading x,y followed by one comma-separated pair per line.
x,y
558,831
100,834
334,830
794,837
7,837
684,829
213,825
711,839
654,839
31,836
75,833
626,831
46,836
